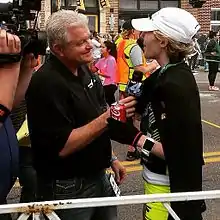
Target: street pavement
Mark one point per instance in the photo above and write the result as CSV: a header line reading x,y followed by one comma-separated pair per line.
x,y
133,185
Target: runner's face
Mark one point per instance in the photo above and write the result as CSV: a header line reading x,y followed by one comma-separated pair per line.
x,y
152,47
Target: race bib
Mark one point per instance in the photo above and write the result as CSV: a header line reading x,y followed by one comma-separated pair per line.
x,y
114,185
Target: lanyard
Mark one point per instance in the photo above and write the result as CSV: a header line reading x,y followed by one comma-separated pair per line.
x,y
167,66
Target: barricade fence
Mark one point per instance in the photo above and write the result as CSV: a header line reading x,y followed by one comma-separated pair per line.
x,y
48,207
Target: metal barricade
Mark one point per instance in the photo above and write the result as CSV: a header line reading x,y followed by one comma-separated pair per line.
x,y
48,207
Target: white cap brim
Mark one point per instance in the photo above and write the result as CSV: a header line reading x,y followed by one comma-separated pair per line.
x,y
143,24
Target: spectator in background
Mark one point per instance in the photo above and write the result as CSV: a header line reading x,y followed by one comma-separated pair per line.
x,y
212,56
193,57
27,174
96,46
203,40
107,69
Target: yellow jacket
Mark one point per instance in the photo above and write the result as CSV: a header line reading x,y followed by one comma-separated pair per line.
x,y
23,135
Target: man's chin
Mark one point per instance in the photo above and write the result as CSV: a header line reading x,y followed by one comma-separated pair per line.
x,y
87,60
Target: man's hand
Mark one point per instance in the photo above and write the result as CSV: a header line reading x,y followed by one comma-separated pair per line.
x,y
124,133
9,73
129,103
119,171
28,63
9,44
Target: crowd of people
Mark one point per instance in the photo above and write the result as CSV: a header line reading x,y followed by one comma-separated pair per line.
x,y
61,113
206,53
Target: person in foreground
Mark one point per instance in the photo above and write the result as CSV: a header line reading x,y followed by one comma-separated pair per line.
x,y
171,114
14,80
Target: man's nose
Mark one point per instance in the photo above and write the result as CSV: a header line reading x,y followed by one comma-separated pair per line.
x,y
89,44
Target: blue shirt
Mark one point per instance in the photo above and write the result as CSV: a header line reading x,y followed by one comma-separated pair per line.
x,y
8,158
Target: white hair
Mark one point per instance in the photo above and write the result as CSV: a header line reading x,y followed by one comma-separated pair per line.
x,y
58,23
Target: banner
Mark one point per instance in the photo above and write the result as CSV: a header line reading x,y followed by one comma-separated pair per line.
x,y
104,4
58,4
80,5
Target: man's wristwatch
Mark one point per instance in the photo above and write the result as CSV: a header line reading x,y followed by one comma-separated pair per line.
x,y
114,158
148,145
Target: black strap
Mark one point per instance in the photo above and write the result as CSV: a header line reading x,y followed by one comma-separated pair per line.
x,y
4,113
9,58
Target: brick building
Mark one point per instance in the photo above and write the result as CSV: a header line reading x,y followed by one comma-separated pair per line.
x,y
208,16
109,20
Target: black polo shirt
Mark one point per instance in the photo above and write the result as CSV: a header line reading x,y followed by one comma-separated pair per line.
x,y
57,103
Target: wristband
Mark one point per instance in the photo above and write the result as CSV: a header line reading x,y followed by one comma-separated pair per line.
x,y
137,137
4,113
148,145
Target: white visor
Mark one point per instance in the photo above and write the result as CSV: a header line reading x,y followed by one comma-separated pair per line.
x,y
143,24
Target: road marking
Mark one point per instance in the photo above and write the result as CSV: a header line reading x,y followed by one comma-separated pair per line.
x,y
210,123
210,154
140,168
136,162
134,169
212,160
129,163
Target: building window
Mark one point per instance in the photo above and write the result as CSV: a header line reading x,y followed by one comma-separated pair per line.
x,y
93,22
165,4
215,14
151,5
215,19
90,3
71,2
125,4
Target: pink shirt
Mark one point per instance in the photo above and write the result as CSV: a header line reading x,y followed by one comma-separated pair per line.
x,y
108,67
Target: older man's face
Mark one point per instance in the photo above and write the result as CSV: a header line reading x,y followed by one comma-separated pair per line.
x,y
78,46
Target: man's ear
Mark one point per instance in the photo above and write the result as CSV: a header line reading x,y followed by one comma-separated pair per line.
x,y
58,49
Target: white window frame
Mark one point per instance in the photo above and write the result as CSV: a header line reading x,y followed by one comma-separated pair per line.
x,y
214,22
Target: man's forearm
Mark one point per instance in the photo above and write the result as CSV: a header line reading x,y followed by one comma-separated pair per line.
x,y
81,137
8,80
23,83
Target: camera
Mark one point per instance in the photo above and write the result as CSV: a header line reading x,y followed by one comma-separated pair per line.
x,y
19,17
197,3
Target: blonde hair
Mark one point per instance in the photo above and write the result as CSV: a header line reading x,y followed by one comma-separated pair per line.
x,y
176,51
126,34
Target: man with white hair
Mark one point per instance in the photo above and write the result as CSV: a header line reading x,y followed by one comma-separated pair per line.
x,y
67,118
